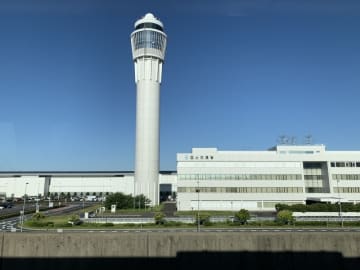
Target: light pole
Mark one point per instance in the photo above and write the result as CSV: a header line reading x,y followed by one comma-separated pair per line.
x,y
23,210
232,211
340,212
198,210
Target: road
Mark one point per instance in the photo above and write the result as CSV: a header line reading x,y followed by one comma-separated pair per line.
x,y
7,225
12,224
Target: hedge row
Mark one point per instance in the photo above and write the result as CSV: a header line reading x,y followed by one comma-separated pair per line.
x,y
319,207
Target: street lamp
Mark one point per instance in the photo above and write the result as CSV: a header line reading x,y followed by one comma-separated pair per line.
x,y
340,212
23,210
198,210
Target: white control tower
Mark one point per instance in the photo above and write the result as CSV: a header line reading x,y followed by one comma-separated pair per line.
x,y
148,43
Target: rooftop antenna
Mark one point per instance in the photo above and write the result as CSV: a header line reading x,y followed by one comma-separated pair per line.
x,y
282,139
308,139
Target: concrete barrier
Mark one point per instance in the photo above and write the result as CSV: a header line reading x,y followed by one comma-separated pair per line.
x,y
118,244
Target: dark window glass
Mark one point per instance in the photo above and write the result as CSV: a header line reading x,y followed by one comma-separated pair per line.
x,y
149,25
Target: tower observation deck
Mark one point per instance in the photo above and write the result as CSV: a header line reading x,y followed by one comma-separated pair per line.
x,y
148,43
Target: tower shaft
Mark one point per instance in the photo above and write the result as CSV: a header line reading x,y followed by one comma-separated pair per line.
x,y
147,129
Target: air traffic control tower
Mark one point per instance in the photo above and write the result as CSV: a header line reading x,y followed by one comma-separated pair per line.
x,y
148,43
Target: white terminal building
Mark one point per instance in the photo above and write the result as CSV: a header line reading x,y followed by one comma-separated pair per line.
x,y
257,180
220,180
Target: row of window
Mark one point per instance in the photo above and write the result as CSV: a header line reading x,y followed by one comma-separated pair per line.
x,y
316,190
241,189
239,177
347,189
345,164
346,176
312,177
149,39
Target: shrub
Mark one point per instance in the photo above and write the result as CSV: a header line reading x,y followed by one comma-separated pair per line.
x,y
74,220
159,218
38,216
204,219
107,224
242,216
285,217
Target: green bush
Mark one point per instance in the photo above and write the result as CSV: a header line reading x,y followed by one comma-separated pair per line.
x,y
285,217
107,224
204,219
35,223
159,218
242,216
319,207
38,216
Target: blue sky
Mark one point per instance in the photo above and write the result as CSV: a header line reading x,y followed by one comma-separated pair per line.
x,y
237,75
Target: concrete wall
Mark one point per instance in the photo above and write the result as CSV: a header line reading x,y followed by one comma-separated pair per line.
x,y
222,251
117,244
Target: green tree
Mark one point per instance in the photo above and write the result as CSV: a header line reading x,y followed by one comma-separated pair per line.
x,y
141,201
159,218
121,200
242,216
285,217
